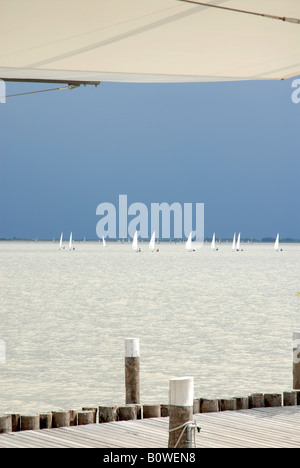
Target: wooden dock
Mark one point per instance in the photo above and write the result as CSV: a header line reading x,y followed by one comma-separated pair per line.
x,y
252,428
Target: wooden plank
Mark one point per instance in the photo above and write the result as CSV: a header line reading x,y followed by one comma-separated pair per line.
x,y
253,431
259,427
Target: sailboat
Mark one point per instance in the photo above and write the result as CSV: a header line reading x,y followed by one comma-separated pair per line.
x,y
60,242
152,242
103,242
233,243
238,244
276,245
213,243
135,242
188,244
71,243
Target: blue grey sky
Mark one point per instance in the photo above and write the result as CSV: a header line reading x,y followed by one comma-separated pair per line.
x,y
233,146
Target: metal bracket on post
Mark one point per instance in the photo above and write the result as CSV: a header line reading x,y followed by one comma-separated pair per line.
x,y
189,429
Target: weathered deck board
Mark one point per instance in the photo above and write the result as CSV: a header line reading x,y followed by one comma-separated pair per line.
x,y
256,428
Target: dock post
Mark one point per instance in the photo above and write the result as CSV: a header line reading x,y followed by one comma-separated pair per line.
x,y
45,420
127,413
289,398
164,410
30,422
16,422
273,399
296,360
5,423
151,411
95,412
209,406
85,417
73,417
256,400
181,402
242,403
60,418
228,404
108,413
132,371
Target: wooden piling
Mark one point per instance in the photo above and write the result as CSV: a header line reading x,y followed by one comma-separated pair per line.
x,y
209,406
298,397
132,371
296,360
196,406
85,417
151,411
273,400
228,404
73,417
256,400
289,398
60,418
5,423
242,403
45,420
16,422
95,412
127,413
107,413
30,422
164,410
181,399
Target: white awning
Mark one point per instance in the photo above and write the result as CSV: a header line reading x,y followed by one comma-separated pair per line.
x,y
148,40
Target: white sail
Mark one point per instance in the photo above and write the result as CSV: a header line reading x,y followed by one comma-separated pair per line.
x,y
152,241
233,243
188,244
276,245
71,242
135,241
238,244
213,242
60,242
103,241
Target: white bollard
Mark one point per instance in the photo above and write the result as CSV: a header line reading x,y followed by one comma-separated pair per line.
x,y
181,402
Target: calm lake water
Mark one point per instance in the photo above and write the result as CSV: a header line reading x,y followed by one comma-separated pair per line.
x,y
226,318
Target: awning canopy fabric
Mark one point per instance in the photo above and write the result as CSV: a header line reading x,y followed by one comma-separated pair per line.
x,y
147,41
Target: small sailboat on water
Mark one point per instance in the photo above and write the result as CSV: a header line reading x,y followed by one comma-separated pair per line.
x,y
233,244
61,242
71,242
238,243
135,245
276,245
213,243
104,242
188,244
152,242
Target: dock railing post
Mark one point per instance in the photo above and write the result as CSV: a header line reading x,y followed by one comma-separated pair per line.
x,y
296,360
181,402
132,371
